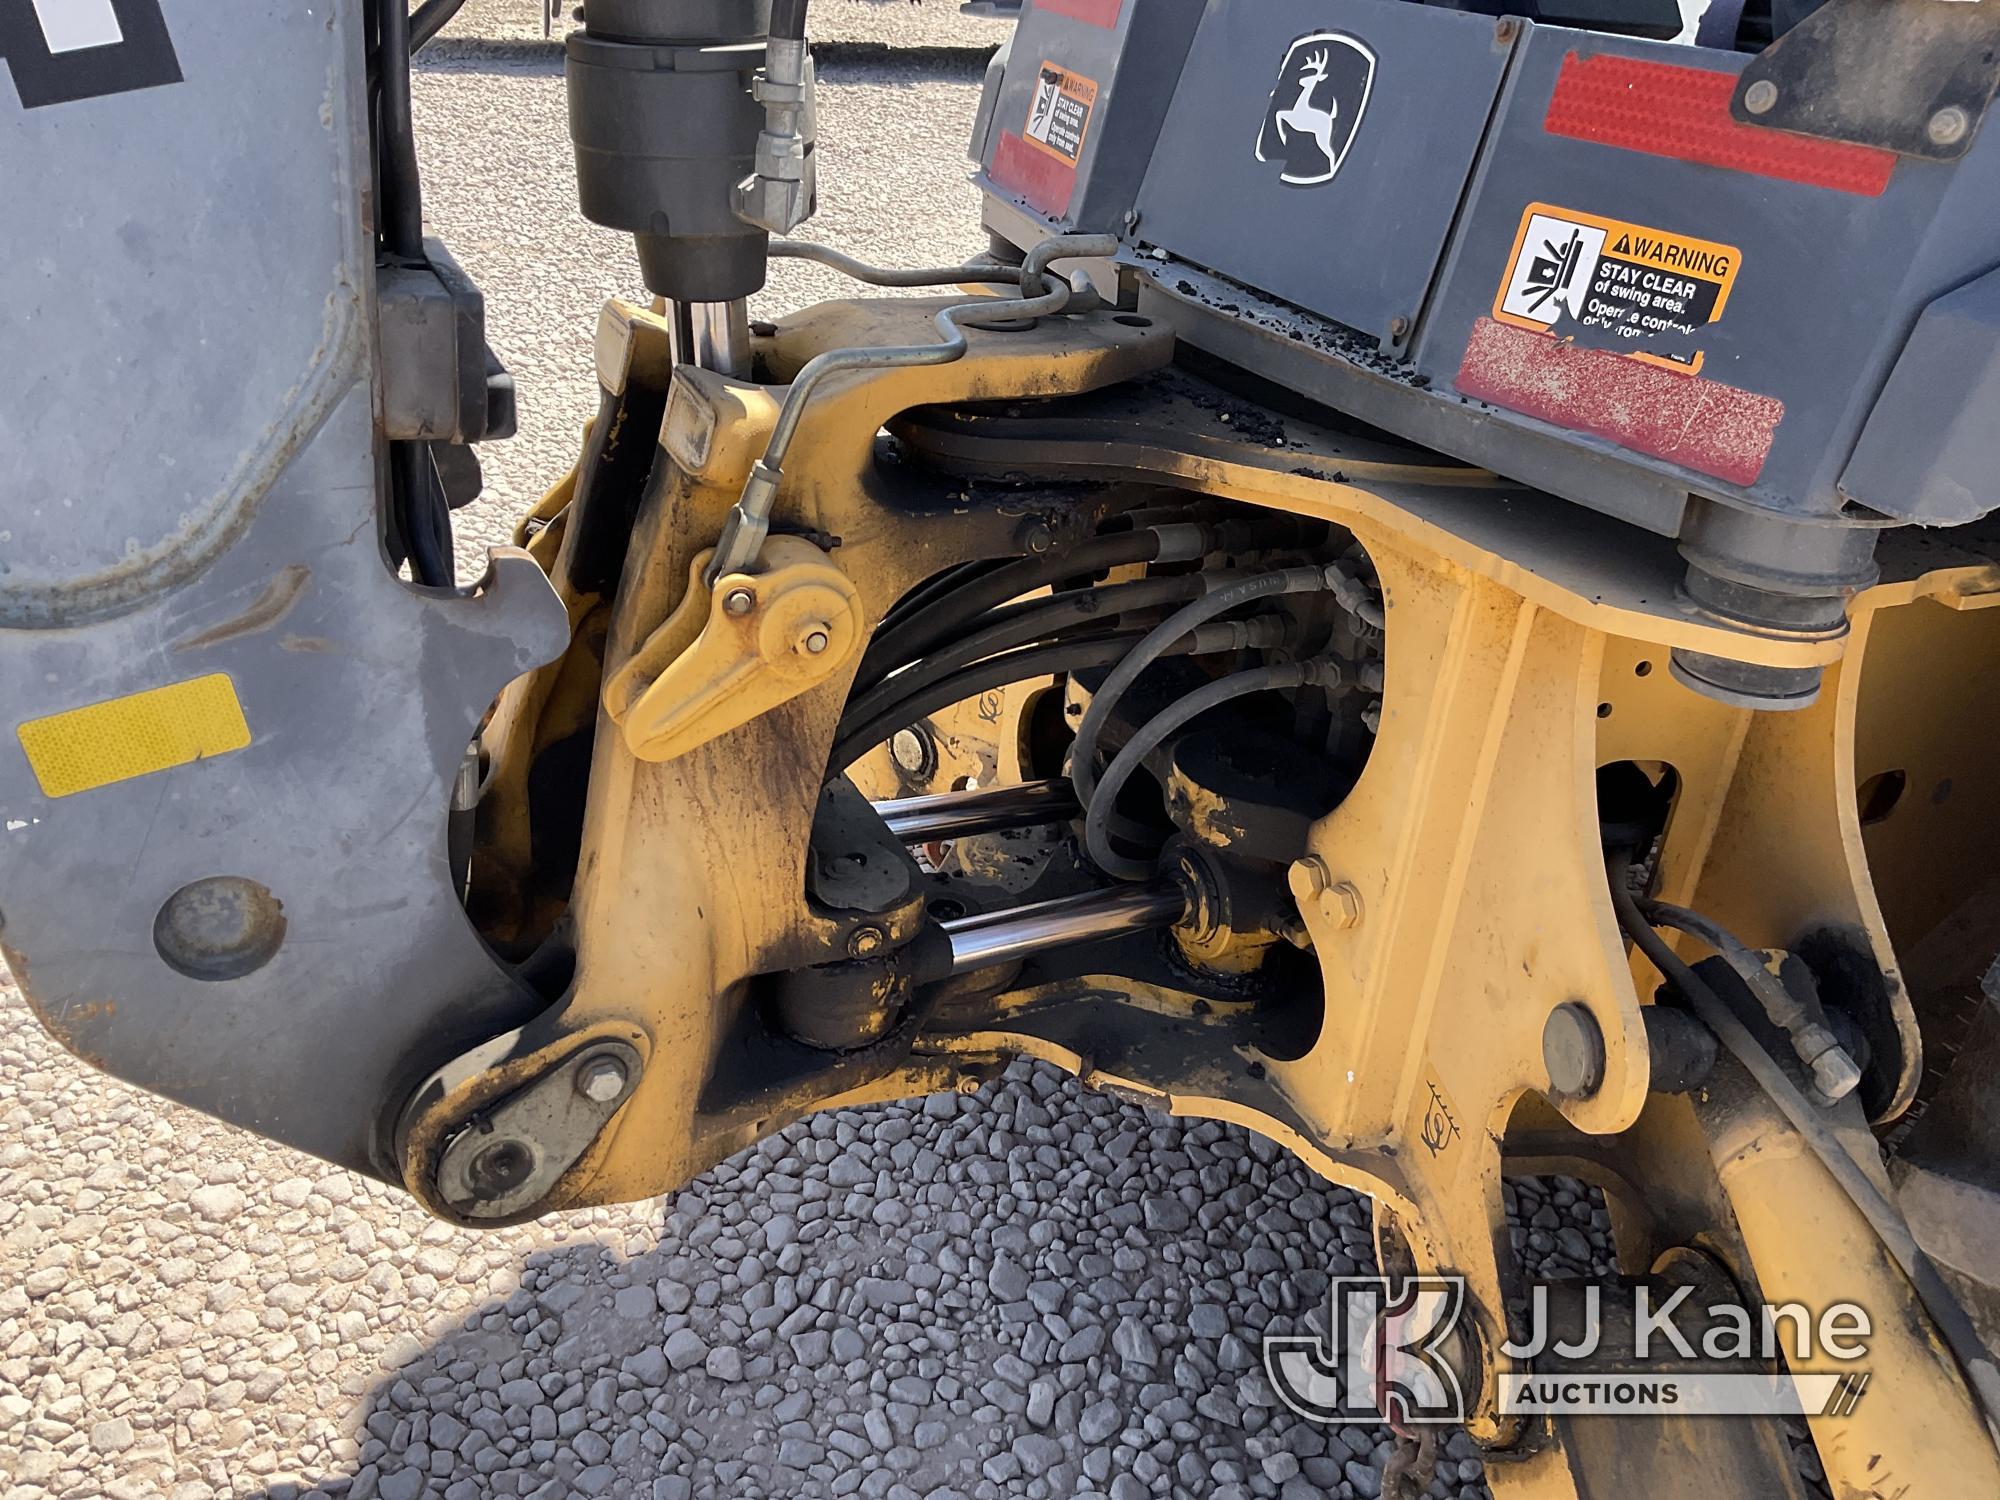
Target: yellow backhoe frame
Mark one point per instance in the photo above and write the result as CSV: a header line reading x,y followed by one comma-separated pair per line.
x,y
1454,900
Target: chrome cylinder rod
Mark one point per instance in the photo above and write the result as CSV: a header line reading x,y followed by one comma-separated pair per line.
x,y
1003,936
713,335
961,815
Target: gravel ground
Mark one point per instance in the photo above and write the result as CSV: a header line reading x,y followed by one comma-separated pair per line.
x,y
1032,1290
1029,1291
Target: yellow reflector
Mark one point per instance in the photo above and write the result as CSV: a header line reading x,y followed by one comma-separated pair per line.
x,y
135,735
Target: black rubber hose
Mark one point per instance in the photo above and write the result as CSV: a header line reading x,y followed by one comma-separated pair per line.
x,y
423,515
927,629
1083,755
926,594
1018,624
1884,1218
428,19
1097,818
396,142
997,671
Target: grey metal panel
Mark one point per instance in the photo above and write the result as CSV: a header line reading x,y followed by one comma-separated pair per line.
x,y
1830,281
1135,63
1361,245
1930,451
144,230
195,375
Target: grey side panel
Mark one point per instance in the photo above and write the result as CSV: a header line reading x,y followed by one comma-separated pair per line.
x,y
1931,450
1236,183
1134,62
192,400
1410,244
1830,281
148,233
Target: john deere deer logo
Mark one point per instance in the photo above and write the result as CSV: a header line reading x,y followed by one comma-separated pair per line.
x,y
1317,105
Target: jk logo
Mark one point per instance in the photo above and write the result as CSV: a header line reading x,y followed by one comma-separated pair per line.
x,y
1382,1359
63,50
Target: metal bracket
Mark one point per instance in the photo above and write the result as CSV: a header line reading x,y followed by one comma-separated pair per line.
x,y
1910,76
441,382
763,638
784,190
512,1155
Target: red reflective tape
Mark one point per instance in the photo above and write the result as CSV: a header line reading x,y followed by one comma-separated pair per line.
x,y
1097,12
1045,180
1664,110
1700,424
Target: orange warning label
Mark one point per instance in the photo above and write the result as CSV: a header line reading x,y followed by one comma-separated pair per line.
x,y
1648,288
1059,114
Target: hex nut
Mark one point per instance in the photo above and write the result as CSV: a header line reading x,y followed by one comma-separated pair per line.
x,y
601,1079
1309,878
1342,904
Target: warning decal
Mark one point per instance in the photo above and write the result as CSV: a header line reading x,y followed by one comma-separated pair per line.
x,y
1059,114
1644,287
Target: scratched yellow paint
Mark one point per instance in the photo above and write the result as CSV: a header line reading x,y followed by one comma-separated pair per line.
x,y
138,734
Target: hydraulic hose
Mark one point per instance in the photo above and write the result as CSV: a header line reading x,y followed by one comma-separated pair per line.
x,y
1083,754
1884,1218
923,631
927,594
425,22
402,207
1019,624
855,738
1834,1072
1097,821
428,19
422,514
852,740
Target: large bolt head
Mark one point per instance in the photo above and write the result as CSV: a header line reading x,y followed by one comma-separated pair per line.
x,y
601,1080
1309,879
739,602
1342,904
